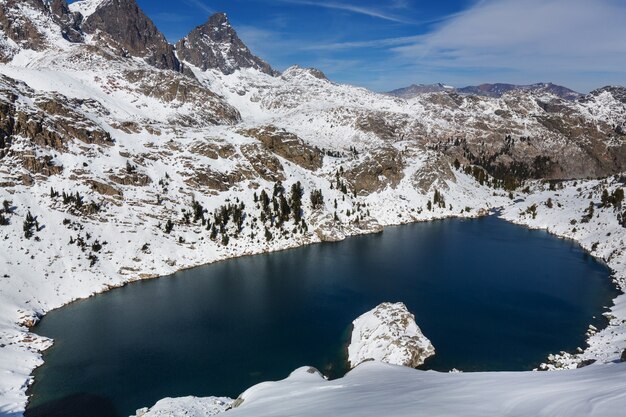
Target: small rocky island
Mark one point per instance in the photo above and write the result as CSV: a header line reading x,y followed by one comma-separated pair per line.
x,y
389,334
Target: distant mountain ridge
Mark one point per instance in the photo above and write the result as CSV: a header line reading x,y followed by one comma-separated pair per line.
x,y
417,89
487,90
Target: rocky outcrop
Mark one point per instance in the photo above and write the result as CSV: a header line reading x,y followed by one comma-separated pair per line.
x,y
213,148
52,122
287,145
104,189
68,21
382,168
215,45
263,162
19,28
120,25
384,125
206,179
179,90
389,334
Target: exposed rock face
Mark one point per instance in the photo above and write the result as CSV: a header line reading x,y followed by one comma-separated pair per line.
x,y
523,136
51,123
263,162
287,145
382,168
389,334
20,30
180,90
384,125
122,26
206,179
215,45
68,21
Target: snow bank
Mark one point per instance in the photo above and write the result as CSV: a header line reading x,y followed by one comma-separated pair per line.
x,y
389,334
187,407
376,389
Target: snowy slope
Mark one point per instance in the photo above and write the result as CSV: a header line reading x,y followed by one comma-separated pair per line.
x,y
376,389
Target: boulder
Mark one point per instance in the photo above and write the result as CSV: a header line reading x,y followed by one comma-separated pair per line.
x,y
389,334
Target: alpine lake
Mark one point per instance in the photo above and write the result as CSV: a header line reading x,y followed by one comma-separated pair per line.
x,y
490,295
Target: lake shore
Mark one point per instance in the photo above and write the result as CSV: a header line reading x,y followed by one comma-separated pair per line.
x,y
23,355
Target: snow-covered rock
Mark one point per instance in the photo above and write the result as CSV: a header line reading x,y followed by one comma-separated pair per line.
x,y
187,407
389,334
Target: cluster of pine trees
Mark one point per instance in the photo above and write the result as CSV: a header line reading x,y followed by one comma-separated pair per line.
x,y
275,208
5,213
507,183
75,202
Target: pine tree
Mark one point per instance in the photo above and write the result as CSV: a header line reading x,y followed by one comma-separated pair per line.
x,y
296,201
285,209
317,199
29,224
169,226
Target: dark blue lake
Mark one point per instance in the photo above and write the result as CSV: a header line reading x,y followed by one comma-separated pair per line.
x,y
490,295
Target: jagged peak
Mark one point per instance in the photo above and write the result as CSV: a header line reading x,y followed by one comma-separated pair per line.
x,y
216,45
122,26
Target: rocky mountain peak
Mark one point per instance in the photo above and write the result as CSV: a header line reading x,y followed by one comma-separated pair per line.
x,y
296,71
123,27
216,45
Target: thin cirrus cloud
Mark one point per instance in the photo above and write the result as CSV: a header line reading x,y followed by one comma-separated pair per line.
x,y
574,39
367,11
200,5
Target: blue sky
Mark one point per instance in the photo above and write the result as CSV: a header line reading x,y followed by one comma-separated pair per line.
x,y
383,45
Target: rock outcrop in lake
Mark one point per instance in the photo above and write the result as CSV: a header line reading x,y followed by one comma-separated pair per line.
x,y
389,334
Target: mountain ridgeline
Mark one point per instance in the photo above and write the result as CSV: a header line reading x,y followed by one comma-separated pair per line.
x,y
487,90
514,132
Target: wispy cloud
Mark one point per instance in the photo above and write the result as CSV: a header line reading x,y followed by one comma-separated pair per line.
x,y
200,5
376,43
367,11
573,41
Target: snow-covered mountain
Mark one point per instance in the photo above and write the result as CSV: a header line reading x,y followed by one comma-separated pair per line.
x,y
415,90
487,90
124,157
499,89
215,45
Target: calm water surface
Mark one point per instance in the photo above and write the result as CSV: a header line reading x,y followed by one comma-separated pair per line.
x,y
490,295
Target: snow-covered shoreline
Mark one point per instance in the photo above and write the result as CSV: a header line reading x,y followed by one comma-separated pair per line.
x,y
604,346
